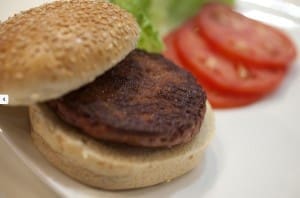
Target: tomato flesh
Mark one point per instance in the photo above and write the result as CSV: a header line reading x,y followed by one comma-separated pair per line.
x,y
244,40
216,98
226,100
170,51
235,59
218,72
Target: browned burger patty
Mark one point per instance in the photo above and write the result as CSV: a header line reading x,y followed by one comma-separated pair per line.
x,y
145,100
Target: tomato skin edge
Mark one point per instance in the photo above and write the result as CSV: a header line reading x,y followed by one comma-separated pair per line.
x,y
228,102
203,73
253,61
219,98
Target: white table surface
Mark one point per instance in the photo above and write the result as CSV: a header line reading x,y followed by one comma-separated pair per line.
x,y
16,180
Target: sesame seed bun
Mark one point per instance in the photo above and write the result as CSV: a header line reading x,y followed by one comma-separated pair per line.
x,y
113,166
53,49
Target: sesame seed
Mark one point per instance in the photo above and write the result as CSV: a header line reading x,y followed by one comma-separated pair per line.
x,y
78,40
55,39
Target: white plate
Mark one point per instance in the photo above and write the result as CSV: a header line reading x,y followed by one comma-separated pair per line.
x,y
254,154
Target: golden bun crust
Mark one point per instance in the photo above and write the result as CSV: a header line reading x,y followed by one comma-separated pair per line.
x,y
50,50
113,166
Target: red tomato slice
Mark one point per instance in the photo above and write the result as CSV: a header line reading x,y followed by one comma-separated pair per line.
x,y
244,40
216,98
226,100
218,72
170,51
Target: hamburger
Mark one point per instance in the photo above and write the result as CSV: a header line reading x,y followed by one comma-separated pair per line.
x,y
101,111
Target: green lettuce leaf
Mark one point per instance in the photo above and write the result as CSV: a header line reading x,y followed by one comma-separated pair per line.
x,y
158,17
168,14
149,37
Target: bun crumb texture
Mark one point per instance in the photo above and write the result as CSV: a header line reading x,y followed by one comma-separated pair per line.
x,y
50,50
113,166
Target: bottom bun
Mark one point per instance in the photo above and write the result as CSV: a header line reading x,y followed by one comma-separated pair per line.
x,y
113,166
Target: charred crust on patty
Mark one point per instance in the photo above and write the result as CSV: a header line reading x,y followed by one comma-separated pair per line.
x,y
145,100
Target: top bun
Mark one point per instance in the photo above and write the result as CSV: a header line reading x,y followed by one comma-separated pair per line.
x,y
53,49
